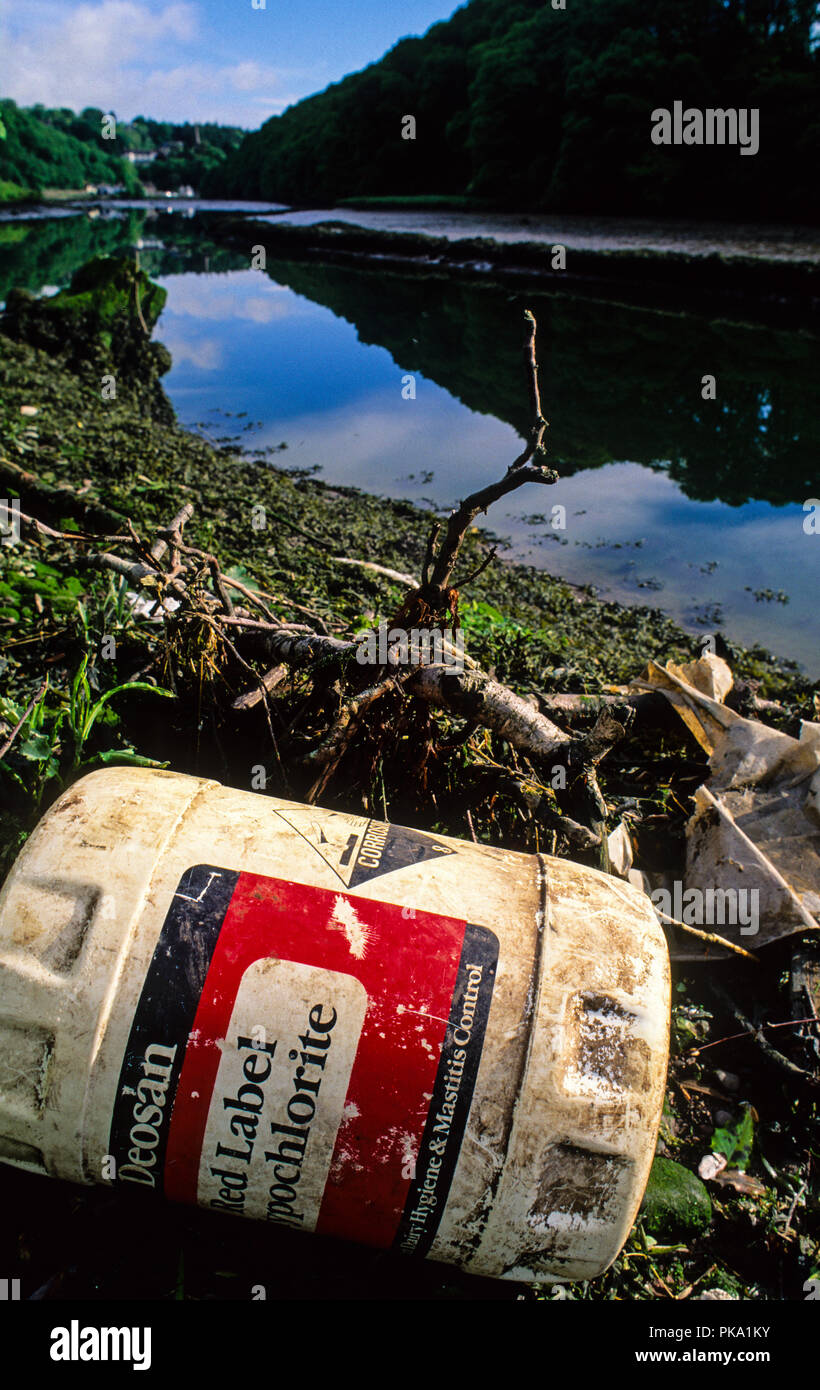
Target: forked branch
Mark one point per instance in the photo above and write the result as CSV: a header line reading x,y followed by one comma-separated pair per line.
x,y
440,563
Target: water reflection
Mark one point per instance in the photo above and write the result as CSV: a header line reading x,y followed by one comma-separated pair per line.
x,y
618,382
689,504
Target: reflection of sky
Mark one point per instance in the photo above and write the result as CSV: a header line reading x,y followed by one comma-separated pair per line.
x,y
242,343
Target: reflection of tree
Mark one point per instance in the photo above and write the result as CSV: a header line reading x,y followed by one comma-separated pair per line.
x,y
618,382
49,251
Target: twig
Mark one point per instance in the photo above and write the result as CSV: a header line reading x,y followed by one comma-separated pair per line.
x,y
337,741
268,681
251,595
488,559
216,580
320,544
436,583
708,936
539,424
793,1206
264,694
428,555
747,1032
465,514
21,721
44,530
771,1053
397,575
174,530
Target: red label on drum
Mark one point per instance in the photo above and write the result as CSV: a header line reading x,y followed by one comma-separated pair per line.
x,y
305,1057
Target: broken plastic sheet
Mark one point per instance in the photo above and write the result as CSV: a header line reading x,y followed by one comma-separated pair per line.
x,y
752,870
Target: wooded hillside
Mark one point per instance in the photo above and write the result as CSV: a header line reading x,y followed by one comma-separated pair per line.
x,y
529,106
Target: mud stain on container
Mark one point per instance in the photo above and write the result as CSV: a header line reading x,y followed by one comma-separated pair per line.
x,y
608,1058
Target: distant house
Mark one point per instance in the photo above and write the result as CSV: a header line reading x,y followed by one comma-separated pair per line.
x,y
141,156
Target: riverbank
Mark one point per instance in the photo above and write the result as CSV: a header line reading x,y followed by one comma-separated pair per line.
x,y
127,455
756,277
55,424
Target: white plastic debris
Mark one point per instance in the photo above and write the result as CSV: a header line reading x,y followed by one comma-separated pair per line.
x,y
620,851
753,843
150,608
710,1165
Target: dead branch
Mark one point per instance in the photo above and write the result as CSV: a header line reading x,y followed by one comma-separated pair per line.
x,y
710,936
396,575
21,721
476,696
171,567
42,529
772,1054
269,681
292,642
440,563
650,707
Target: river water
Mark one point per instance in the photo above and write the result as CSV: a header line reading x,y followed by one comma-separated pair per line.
x,y
414,388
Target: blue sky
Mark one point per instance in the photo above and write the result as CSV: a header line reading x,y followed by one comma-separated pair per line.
x,y
195,59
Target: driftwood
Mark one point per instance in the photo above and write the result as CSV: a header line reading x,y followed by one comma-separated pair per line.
x,y
484,701
189,589
471,694
50,503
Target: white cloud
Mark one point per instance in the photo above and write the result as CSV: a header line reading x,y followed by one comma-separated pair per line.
x,y
134,58
64,58
227,298
205,353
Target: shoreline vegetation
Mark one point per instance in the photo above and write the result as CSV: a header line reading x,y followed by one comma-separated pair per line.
x,y
52,149
80,643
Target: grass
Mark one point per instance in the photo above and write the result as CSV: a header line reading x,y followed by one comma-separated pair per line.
x,y
13,192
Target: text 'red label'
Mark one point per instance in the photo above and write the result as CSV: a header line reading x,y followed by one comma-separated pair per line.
x,y
305,1057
